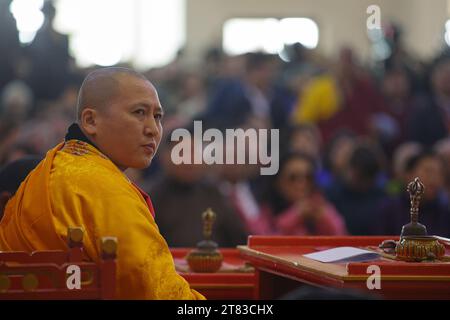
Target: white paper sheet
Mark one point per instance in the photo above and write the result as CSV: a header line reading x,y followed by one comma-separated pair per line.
x,y
343,254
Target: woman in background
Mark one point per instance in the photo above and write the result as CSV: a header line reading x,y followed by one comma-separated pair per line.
x,y
295,206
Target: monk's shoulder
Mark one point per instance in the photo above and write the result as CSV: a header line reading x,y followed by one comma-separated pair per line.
x,y
86,175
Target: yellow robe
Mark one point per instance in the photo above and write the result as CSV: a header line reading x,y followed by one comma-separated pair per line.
x,y
76,185
319,101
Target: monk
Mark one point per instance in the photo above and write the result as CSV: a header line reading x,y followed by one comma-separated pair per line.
x,y
81,183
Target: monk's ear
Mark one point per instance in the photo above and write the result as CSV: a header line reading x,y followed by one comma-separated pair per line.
x,y
88,121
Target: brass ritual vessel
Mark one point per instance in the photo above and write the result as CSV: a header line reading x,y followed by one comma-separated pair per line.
x,y
415,244
206,257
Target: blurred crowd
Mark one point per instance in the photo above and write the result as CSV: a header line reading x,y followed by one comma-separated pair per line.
x,y
351,135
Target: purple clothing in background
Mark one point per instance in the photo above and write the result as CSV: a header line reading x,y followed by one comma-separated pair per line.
x,y
394,213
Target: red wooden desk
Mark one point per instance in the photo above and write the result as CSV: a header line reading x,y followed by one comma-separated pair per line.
x,y
230,282
280,267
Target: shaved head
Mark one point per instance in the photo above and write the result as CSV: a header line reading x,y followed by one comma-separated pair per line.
x,y
120,113
101,86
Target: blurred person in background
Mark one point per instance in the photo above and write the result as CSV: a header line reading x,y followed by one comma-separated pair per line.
x,y
442,149
399,174
168,79
303,138
9,45
181,193
51,119
45,129
430,120
302,64
16,103
213,61
434,210
242,187
335,157
48,55
294,205
398,56
254,95
390,127
356,193
344,98
16,152
192,96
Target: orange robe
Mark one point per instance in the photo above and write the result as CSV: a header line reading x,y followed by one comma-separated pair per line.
x,y
76,185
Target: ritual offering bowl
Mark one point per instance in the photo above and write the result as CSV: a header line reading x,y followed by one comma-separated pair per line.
x,y
206,257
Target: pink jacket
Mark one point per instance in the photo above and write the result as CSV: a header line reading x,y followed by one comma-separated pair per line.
x,y
293,222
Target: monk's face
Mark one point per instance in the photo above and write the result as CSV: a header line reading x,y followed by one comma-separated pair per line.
x,y
129,130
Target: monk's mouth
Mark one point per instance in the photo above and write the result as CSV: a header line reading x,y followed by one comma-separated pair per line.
x,y
149,148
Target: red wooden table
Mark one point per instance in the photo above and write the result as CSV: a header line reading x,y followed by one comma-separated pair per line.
x,y
280,267
234,280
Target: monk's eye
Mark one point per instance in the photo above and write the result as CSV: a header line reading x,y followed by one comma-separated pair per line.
x,y
140,112
158,116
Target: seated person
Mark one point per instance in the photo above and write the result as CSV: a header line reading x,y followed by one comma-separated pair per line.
x,y
294,205
357,191
81,183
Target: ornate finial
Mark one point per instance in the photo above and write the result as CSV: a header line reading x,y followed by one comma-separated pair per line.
x,y
414,228
415,189
109,247
75,236
208,217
